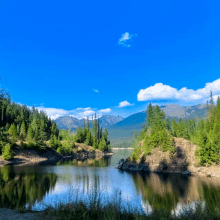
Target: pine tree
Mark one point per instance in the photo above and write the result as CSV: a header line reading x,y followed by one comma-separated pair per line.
x,y
95,128
42,132
150,114
105,135
88,122
102,145
168,124
23,131
54,129
84,124
218,100
30,133
98,133
89,138
13,133
174,127
79,135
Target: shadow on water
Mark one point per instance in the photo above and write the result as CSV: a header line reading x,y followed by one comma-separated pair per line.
x,y
20,188
165,191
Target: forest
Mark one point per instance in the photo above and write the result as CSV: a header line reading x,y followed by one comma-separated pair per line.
x,y
159,131
30,128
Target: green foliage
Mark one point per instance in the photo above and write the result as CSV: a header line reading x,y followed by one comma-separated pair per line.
x,y
7,154
168,124
29,124
175,128
102,145
159,135
23,131
13,133
54,143
89,138
79,137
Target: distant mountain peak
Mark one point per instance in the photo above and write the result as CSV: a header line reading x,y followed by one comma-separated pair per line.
x,y
66,122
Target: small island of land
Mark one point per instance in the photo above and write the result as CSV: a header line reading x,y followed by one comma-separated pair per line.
x,y
188,147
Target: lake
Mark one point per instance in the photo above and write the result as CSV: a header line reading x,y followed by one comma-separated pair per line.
x,y
38,186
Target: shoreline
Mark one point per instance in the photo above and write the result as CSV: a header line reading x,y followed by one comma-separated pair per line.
x,y
25,157
211,172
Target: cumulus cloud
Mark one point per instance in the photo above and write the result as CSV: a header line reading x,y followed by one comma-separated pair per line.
x,y
85,109
79,113
124,104
107,110
160,92
95,90
125,38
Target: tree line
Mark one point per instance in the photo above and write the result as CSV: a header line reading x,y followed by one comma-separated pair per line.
x,y
33,129
159,131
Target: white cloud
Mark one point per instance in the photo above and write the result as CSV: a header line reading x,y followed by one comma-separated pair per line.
x,y
125,38
54,112
160,91
85,109
107,110
124,104
95,90
79,113
87,113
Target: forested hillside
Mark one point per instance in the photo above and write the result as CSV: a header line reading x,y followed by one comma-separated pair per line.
x,y
125,128
159,132
30,128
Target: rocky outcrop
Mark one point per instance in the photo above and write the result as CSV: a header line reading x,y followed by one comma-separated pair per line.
x,y
183,161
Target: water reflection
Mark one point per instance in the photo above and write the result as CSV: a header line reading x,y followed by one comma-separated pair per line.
x,y
103,162
25,187
165,192
39,185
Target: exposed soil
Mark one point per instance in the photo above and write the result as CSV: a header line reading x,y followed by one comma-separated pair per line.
x,y
26,156
183,161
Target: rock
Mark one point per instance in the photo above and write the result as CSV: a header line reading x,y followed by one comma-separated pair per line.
x,y
186,172
209,174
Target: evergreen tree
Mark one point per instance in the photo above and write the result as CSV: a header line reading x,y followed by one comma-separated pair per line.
x,y
218,101
88,122
102,145
174,127
105,135
150,114
54,129
13,133
79,135
84,124
95,128
30,133
23,131
89,138
168,124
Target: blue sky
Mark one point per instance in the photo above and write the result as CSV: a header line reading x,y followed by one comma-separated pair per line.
x,y
80,57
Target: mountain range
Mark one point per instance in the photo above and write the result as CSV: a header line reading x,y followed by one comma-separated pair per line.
x,y
126,127
66,122
119,127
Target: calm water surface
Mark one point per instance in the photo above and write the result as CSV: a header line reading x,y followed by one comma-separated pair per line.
x,y
39,186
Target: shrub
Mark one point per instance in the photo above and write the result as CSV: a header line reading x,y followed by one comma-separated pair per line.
x,y
7,153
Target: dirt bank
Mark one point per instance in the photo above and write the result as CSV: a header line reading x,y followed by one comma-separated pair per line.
x,y
26,156
183,161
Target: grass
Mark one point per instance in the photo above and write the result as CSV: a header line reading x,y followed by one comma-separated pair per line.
x,y
100,207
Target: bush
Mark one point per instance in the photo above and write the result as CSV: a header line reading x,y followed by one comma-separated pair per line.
x,y
7,153
23,145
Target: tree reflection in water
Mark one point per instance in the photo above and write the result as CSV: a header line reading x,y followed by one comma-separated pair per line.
x,y
20,188
164,192
97,162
